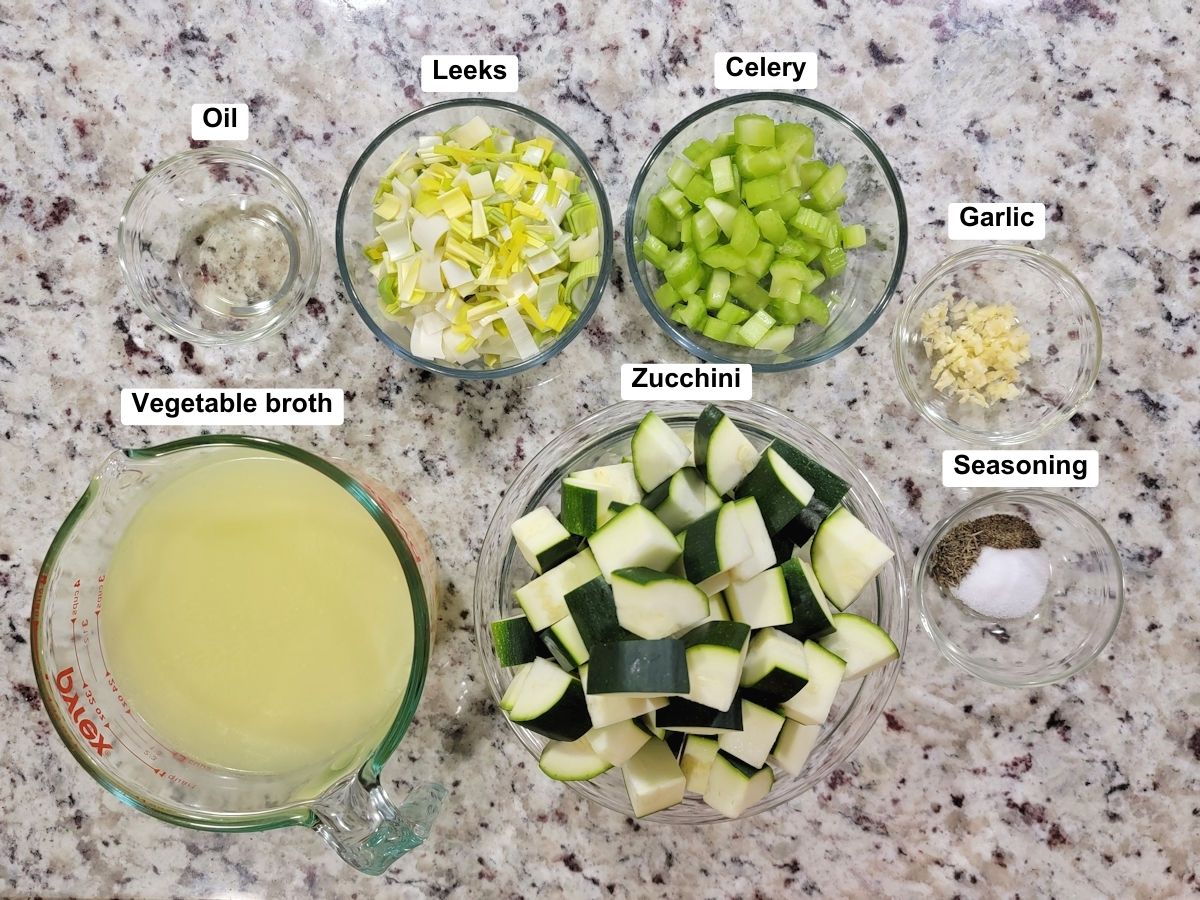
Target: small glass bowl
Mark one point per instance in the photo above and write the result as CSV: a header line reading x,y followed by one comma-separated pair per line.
x,y
1064,332
218,247
874,200
604,438
1069,628
355,227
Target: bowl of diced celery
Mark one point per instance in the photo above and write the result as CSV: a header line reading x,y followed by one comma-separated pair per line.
x,y
690,613
474,238
766,229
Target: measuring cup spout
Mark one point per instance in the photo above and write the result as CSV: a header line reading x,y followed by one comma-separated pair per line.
x,y
368,831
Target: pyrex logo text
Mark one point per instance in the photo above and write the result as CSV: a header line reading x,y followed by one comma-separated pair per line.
x,y
65,683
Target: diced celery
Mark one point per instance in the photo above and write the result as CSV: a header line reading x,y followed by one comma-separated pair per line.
x,y
718,289
794,139
758,191
833,261
685,230
680,172
672,198
771,226
759,260
698,190
721,169
700,152
754,130
811,224
829,185
733,314
666,296
682,270
787,203
749,292
722,256
723,212
764,162
805,251
783,269
694,312
755,328
788,289
786,313
704,224
744,234
660,223
655,251
853,236
829,205
716,329
813,307
724,143
810,173
778,338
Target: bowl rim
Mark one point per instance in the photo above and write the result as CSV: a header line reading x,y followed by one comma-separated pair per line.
x,y
610,419
957,260
937,636
606,255
643,291
196,156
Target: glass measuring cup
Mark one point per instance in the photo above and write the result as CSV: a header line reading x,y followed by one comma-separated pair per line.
x,y
341,798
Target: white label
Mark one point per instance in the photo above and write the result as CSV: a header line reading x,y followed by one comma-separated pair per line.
x,y
685,381
467,72
1020,468
996,221
794,71
220,121
216,406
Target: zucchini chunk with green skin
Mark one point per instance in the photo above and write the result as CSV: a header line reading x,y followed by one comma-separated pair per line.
x,y
572,761
762,551
617,743
714,544
544,599
776,667
592,607
551,702
760,728
733,787
514,687
542,540
861,643
647,722
639,668
811,615
827,487
608,709
762,601
780,491
715,654
653,779
514,641
687,717
566,644
658,452
718,610
699,751
723,453
682,499
589,496
846,557
795,743
811,706
653,604
634,537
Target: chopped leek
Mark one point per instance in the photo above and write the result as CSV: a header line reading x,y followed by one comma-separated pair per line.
x,y
745,229
485,245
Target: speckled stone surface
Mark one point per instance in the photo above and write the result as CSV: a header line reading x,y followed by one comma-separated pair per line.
x,y
1078,790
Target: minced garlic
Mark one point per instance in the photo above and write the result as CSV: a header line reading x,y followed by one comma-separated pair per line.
x,y
976,350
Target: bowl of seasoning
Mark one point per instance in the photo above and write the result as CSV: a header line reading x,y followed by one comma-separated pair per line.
x,y
997,345
1020,588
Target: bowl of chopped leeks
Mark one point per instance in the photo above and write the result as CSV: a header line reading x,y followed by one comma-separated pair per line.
x,y
766,229
474,238
997,344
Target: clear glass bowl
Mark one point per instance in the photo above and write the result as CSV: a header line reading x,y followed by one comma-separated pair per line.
x,y
355,228
218,247
604,438
874,199
1065,341
1066,632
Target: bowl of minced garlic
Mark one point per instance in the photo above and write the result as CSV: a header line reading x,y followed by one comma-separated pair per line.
x,y
976,349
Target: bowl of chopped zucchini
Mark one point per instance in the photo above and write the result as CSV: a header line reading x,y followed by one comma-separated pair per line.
x,y
692,613
766,229
474,238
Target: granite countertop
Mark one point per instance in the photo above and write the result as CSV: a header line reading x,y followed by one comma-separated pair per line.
x,y
1081,789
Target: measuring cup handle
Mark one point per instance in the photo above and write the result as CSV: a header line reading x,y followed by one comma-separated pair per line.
x,y
361,823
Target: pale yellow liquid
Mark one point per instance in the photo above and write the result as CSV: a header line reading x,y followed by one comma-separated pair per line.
x,y
257,618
